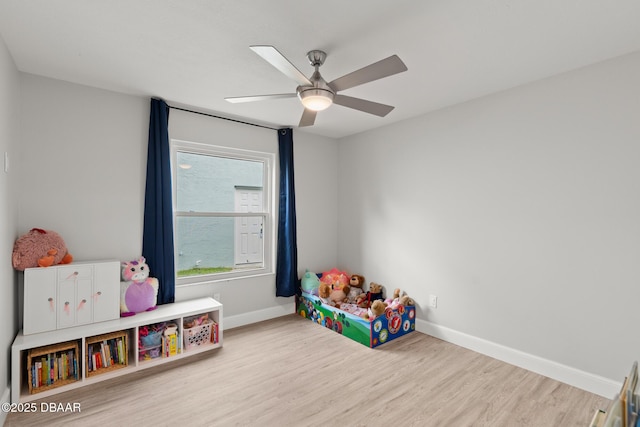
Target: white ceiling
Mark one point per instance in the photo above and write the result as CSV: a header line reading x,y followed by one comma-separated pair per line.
x,y
194,53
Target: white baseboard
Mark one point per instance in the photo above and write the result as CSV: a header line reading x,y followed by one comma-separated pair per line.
x,y
231,322
583,380
6,398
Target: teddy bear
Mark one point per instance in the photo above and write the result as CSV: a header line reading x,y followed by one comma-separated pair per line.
x,y
138,291
356,294
406,300
39,248
324,291
377,308
375,291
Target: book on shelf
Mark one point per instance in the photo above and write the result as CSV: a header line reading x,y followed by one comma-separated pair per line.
x,y
120,345
50,368
106,353
103,356
170,345
215,333
624,409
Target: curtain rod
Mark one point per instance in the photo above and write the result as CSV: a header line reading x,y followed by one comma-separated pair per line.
x,y
223,118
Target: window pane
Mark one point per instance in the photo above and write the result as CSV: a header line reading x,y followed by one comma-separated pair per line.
x,y
208,183
209,245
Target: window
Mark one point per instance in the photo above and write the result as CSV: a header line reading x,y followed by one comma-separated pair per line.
x,y
223,225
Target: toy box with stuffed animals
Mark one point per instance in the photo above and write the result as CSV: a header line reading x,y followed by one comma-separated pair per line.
x,y
393,323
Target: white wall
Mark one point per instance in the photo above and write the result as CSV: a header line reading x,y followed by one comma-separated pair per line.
x,y
83,175
9,143
83,166
520,211
316,177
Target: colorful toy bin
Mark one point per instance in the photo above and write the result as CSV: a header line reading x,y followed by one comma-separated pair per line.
x,y
384,328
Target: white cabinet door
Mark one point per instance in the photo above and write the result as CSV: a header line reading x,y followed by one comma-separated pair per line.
x,y
106,291
40,299
75,285
65,305
84,303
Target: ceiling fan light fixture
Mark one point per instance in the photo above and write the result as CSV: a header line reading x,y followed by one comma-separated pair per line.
x,y
316,99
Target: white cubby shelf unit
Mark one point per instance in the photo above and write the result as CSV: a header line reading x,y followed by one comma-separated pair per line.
x,y
25,346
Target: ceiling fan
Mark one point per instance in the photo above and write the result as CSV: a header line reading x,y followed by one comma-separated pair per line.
x,y
316,94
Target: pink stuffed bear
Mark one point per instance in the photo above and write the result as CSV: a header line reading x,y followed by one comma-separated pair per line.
x,y
39,248
138,291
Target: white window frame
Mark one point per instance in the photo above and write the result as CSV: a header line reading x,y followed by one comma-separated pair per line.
x,y
269,196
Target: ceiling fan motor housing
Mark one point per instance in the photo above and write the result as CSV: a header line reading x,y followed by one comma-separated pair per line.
x,y
319,96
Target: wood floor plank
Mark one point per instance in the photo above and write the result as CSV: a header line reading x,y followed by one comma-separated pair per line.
x,y
290,372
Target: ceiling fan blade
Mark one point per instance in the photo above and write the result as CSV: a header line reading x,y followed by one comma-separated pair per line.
x,y
370,107
275,58
308,118
239,99
384,68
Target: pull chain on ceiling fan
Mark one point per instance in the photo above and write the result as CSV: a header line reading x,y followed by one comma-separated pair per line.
x,y
316,94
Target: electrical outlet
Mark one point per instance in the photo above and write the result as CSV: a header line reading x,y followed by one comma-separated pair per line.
x,y
433,301
216,297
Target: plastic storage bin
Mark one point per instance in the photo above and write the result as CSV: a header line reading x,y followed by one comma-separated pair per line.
x,y
198,335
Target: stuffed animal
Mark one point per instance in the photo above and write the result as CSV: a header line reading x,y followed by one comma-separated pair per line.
x,y
334,287
356,293
339,292
335,276
399,298
196,321
407,301
310,283
324,291
376,292
138,291
377,308
39,248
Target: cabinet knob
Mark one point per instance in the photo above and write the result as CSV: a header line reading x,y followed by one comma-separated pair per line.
x,y
72,275
51,307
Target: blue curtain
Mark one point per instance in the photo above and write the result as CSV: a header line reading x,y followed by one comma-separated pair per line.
x,y
287,257
157,237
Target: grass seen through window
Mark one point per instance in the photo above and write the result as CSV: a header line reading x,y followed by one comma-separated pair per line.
x,y
197,271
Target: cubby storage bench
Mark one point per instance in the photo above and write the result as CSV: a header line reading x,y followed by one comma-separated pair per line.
x,y
384,328
86,354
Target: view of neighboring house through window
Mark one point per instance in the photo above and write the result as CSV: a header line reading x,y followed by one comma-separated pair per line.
x,y
222,218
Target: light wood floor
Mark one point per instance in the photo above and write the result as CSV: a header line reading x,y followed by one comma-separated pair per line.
x,y
291,372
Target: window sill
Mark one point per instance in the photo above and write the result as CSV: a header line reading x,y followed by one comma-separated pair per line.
x,y
204,281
